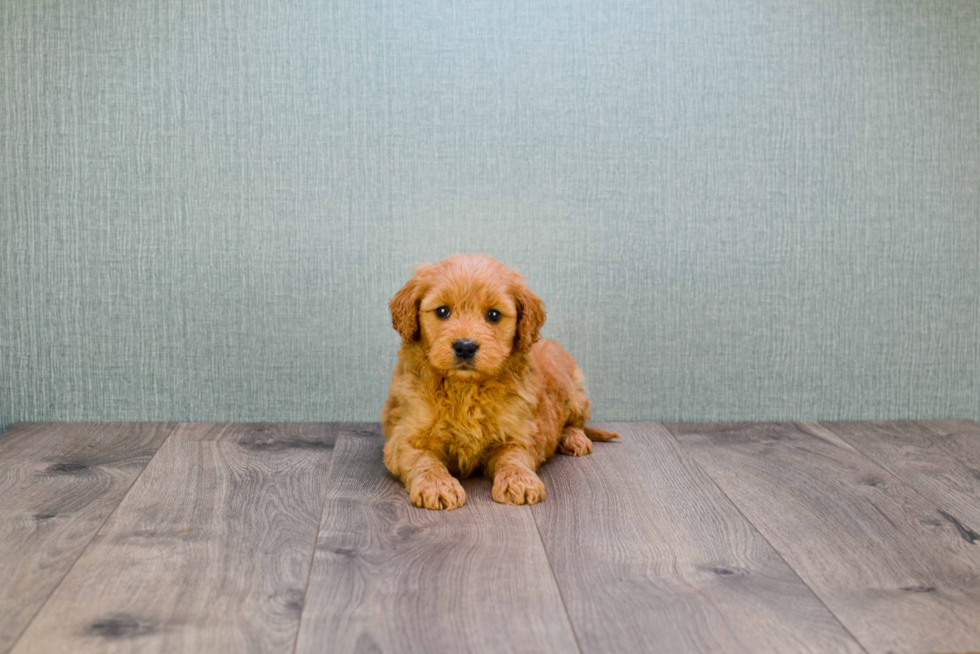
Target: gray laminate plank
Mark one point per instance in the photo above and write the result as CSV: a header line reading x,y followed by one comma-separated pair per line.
x,y
390,577
651,556
58,484
940,458
208,552
896,573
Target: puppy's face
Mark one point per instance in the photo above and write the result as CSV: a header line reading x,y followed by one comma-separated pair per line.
x,y
470,314
467,325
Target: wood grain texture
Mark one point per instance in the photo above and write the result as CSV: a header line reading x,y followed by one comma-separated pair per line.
x,y
209,551
895,572
651,556
58,484
390,577
940,458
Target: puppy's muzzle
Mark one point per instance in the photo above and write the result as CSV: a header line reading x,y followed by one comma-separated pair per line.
x,y
465,349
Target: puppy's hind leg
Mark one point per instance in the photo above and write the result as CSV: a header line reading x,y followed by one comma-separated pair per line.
x,y
574,442
599,434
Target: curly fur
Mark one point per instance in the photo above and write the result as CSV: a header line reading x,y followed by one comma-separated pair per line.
x,y
507,411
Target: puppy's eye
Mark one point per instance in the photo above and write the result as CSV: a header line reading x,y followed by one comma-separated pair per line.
x,y
493,315
442,312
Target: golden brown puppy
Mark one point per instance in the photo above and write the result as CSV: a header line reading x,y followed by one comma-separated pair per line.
x,y
474,388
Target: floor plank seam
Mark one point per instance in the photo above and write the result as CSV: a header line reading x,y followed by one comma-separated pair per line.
x,y
867,456
908,482
551,569
95,533
316,541
694,460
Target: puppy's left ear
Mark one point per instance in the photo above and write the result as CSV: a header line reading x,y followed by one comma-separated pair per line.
x,y
404,305
530,318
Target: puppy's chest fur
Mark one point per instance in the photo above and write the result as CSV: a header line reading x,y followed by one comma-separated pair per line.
x,y
471,421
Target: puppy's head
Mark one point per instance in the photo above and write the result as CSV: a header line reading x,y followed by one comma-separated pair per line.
x,y
470,313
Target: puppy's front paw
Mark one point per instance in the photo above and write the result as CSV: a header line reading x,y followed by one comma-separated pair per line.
x,y
437,491
517,486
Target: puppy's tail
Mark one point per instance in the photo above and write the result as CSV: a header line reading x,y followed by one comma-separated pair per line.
x,y
599,434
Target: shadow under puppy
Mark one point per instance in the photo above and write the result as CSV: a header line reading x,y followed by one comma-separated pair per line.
x,y
475,388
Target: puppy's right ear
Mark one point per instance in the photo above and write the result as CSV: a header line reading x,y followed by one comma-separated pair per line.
x,y
404,305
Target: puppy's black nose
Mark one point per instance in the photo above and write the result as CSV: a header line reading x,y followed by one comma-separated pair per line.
x,y
465,348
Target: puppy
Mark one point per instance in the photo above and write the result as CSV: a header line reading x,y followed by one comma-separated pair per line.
x,y
474,387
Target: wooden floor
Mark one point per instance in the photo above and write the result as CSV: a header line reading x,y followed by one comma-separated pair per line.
x,y
736,537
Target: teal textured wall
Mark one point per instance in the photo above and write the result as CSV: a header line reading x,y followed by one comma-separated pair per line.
x,y
733,210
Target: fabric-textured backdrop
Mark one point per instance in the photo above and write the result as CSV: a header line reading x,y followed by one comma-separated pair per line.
x,y
733,210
